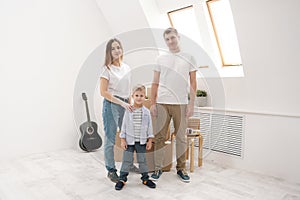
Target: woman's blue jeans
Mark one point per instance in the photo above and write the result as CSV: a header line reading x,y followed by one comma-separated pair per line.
x,y
112,119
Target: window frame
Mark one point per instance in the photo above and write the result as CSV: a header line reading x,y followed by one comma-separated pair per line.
x,y
177,10
216,35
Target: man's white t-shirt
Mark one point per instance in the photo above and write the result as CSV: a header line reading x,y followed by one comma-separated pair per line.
x,y
118,79
174,78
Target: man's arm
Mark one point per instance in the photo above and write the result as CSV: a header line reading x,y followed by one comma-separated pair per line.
x,y
193,86
154,89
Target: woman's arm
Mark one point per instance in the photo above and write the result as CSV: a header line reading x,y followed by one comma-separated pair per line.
x,y
107,95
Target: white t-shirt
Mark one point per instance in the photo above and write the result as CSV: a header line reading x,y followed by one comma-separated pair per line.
x,y
174,79
118,79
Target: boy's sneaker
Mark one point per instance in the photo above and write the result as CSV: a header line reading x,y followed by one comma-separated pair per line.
x,y
119,185
182,174
113,176
155,176
149,183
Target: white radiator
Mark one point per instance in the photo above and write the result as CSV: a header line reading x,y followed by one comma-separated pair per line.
x,y
222,132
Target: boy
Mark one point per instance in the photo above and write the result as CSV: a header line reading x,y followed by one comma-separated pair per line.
x,y
136,135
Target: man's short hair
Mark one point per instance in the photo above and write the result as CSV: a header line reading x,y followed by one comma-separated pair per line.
x,y
170,30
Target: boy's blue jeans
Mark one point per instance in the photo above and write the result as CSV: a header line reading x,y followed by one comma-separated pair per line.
x,y
128,161
112,119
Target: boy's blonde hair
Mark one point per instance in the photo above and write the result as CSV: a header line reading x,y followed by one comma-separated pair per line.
x,y
139,87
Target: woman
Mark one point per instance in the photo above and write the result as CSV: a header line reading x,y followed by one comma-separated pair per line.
x,y
115,88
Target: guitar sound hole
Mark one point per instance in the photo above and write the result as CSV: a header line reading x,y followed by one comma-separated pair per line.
x,y
90,130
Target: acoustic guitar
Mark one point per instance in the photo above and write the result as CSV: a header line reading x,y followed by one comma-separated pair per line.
x,y
90,140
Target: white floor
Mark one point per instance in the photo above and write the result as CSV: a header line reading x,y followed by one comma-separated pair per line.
x,y
74,175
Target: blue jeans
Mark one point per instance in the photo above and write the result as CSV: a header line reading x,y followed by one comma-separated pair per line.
x,y
128,161
112,119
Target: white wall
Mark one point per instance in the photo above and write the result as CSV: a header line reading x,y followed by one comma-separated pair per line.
x,y
123,16
268,33
269,47
43,45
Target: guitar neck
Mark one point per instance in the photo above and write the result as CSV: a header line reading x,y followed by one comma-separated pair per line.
x,y
87,111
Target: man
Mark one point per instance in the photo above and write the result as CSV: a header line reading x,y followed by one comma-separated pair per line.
x,y
174,73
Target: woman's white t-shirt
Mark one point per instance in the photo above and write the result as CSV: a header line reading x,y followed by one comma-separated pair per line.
x,y
119,79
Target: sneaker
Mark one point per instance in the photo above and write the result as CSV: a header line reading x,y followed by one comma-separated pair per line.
x,y
134,169
113,176
155,176
182,174
149,183
119,185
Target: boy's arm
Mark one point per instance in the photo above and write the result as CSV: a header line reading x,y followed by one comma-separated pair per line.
x,y
123,144
149,144
150,128
124,131
124,126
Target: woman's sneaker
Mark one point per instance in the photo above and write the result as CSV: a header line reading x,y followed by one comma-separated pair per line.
x,y
113,176
183,175
155,176
149,183
119,185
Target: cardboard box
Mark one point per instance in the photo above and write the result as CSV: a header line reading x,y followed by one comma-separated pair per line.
x,y
167,164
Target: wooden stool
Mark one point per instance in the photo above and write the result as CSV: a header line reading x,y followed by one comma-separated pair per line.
x,y
191,140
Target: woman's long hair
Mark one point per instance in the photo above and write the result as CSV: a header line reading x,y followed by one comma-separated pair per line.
x,y
108,55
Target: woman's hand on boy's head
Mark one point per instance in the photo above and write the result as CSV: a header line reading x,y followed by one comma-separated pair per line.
x,y
127,106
